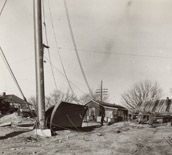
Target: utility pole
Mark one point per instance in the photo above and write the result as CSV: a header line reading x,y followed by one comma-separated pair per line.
x,y
39,66
101,95
102,91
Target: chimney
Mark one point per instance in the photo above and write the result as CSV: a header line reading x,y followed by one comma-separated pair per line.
x,y
3,94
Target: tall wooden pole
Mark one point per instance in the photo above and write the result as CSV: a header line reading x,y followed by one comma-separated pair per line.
x,y
101,91
39,66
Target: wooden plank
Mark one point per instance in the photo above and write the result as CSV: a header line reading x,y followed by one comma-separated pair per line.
x,y
5,124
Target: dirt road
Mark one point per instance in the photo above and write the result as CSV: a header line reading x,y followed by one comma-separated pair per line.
x,y
117,139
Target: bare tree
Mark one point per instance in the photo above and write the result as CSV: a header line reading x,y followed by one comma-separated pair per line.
x,y
141,91
32,100
86,97
55,97
58,96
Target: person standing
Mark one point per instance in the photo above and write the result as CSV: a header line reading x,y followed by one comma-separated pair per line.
x,y
102,114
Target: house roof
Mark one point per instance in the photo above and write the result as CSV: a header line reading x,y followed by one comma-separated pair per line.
x,y
13,99
158,106
109,105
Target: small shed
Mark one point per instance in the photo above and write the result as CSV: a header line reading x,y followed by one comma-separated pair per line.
x,y
113,112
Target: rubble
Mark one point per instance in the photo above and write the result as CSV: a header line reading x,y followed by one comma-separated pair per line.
x,y
5,124
15,119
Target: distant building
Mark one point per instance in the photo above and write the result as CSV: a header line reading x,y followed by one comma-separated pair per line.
x,y
154,111
155,106
113,113
12,103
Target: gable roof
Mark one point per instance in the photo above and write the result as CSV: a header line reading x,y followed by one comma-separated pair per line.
x,y
13,99
109,105
158,106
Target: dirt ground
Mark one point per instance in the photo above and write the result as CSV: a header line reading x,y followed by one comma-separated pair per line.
x,y
123,138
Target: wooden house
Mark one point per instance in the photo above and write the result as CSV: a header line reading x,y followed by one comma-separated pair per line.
x,y
12,103
113,112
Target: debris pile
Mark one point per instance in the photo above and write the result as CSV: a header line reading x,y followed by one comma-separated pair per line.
x,y
116,128
14,118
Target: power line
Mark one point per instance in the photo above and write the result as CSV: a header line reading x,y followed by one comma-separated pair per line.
x,y
3,7
11,72
75,47
123,54
57,47
64,76
46,37
15,80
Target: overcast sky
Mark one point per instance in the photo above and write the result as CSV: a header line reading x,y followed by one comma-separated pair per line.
x,y
119,41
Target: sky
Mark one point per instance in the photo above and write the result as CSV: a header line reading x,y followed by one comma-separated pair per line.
x,y
120,42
